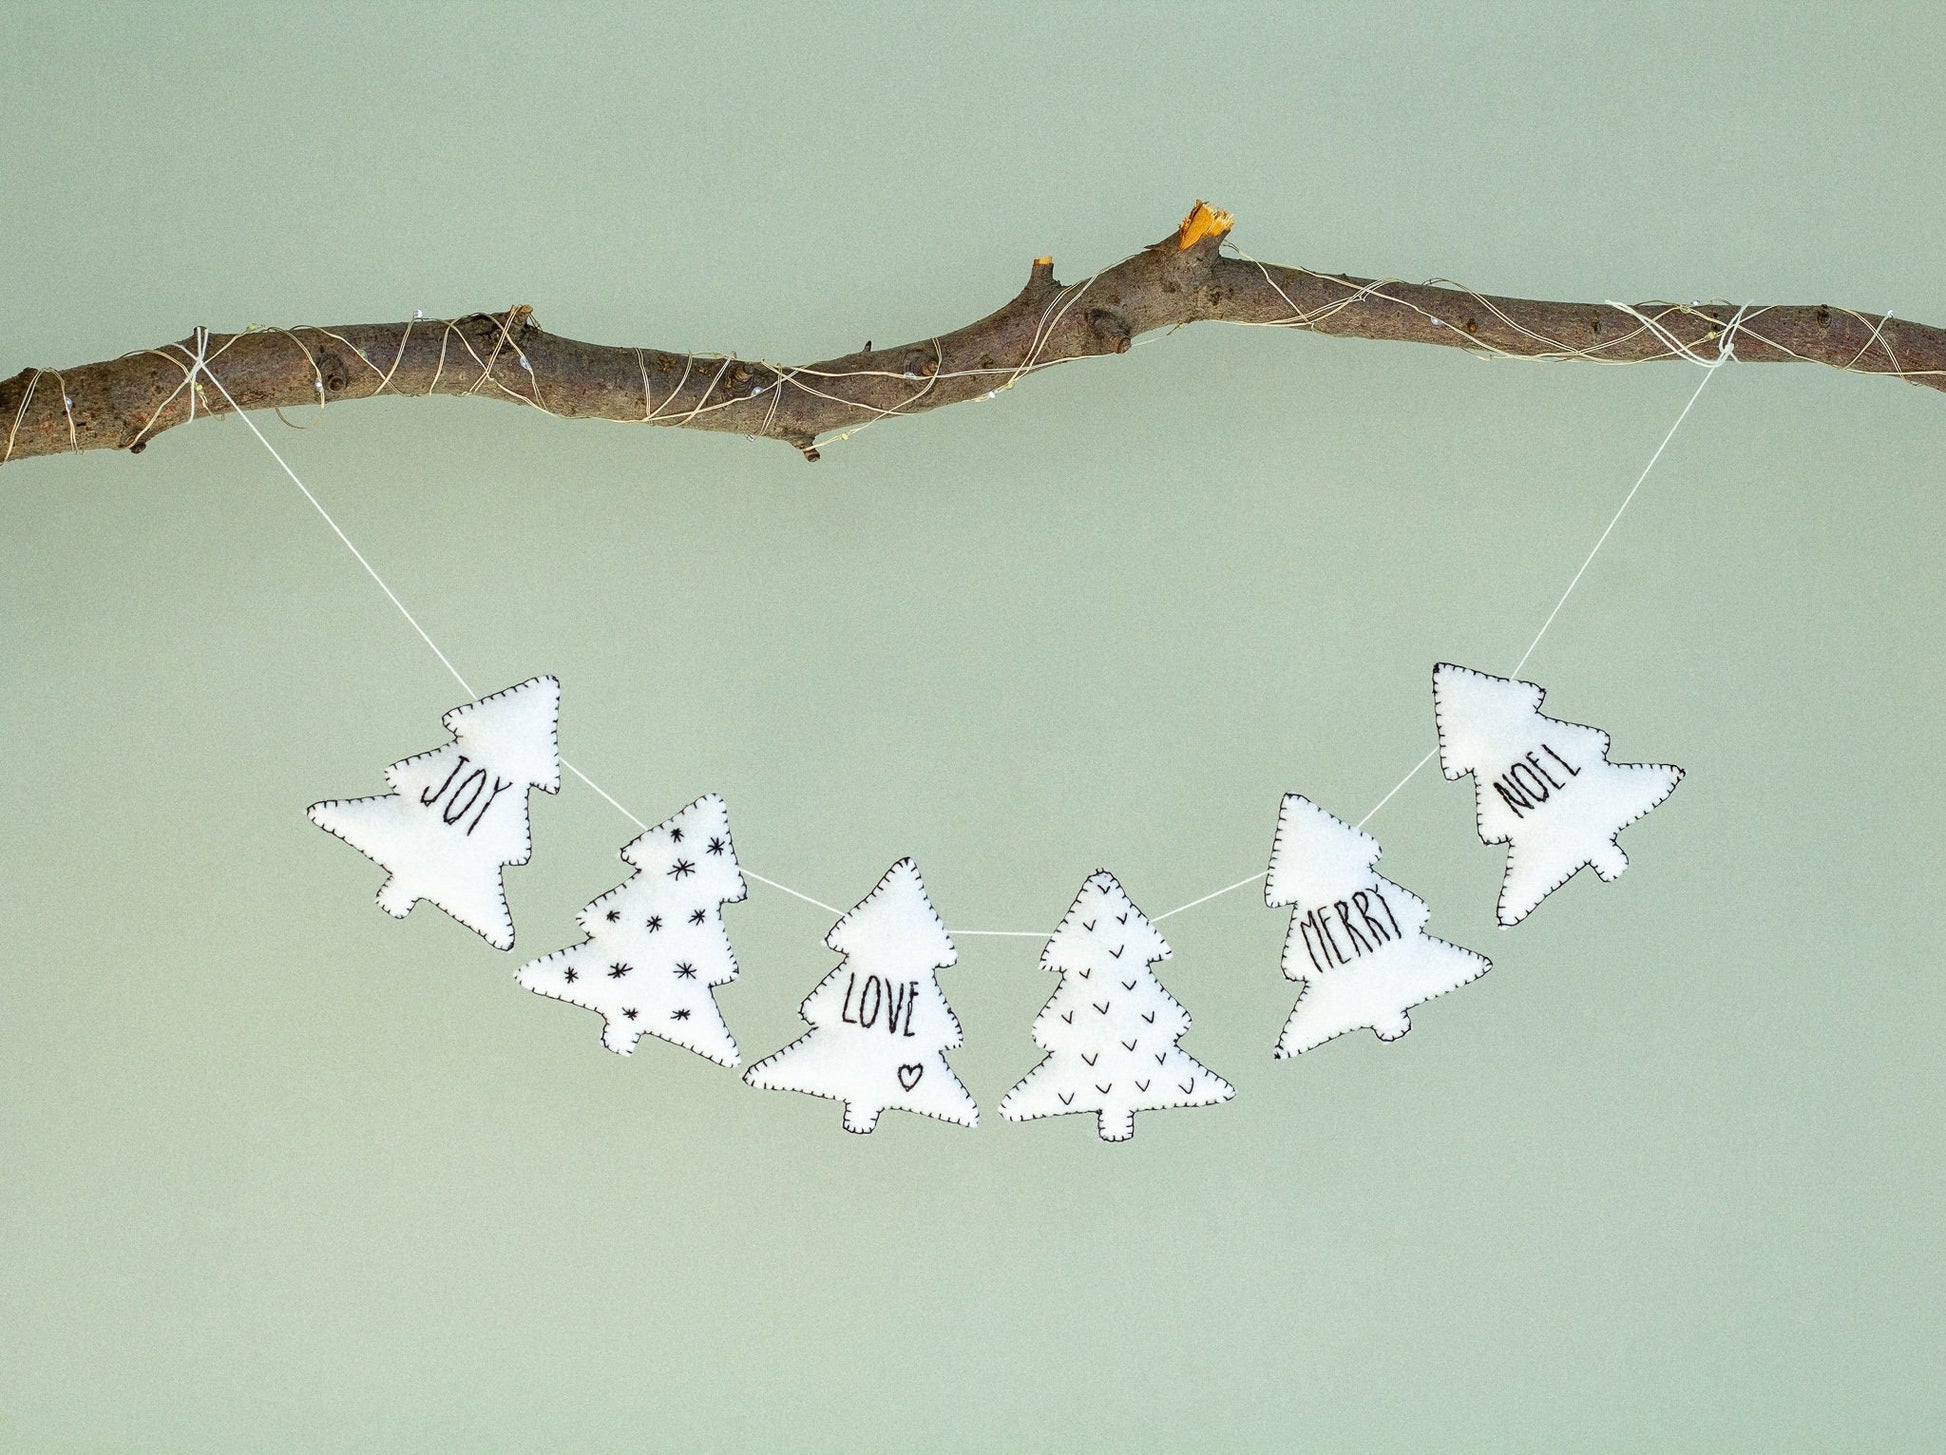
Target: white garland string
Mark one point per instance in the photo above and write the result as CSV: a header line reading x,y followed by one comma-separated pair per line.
x,y
200,363
1725,354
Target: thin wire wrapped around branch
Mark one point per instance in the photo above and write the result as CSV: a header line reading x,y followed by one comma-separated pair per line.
x,y
1192,276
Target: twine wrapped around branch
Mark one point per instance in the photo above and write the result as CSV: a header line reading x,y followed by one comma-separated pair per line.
x,y
1193,275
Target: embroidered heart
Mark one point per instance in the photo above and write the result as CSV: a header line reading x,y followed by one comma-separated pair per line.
x,y
909,1076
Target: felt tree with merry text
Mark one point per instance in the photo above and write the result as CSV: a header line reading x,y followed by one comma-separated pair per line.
x,y
1357,944
880,1024
1541,785
656,947
1110,1030
457,815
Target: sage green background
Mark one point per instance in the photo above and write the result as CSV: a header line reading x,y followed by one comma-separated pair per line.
x,y
277,1172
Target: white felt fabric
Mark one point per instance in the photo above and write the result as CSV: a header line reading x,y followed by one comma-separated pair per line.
x,y
458,813
1110,1030
656,944
880,1025
1542,786
1357,944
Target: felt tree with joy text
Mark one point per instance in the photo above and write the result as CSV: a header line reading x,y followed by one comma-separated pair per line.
x,y
656,946
1357,943
1110,1030
880,1024
1541,785
458,814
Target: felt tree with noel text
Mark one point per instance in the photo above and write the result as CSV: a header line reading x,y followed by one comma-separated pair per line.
x,y
880,1025
1110,1030
1357,944
1541,785
457,814
656,946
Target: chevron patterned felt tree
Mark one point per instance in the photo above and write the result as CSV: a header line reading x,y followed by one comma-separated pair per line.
x,y
656,946
1110,1029
457,814
1541,785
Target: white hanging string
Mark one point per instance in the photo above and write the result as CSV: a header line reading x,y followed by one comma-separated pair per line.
x,y
1602,539
1726,352
200,364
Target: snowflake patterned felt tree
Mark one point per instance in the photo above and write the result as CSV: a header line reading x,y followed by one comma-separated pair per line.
x,y
1357,943
1542,786
880,1025
656,945
1110,1030
457,814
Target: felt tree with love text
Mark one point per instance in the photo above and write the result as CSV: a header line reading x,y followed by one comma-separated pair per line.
x,y
1541,785
458,814
1357,943
1110,1030
880,1025
656,945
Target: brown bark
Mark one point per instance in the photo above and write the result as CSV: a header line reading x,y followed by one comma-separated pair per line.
x,y
1186,278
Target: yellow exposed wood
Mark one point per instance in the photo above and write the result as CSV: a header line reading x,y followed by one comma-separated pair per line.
x,y
1203,221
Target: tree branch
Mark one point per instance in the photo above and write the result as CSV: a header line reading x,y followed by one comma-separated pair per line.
x,y
1186,278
